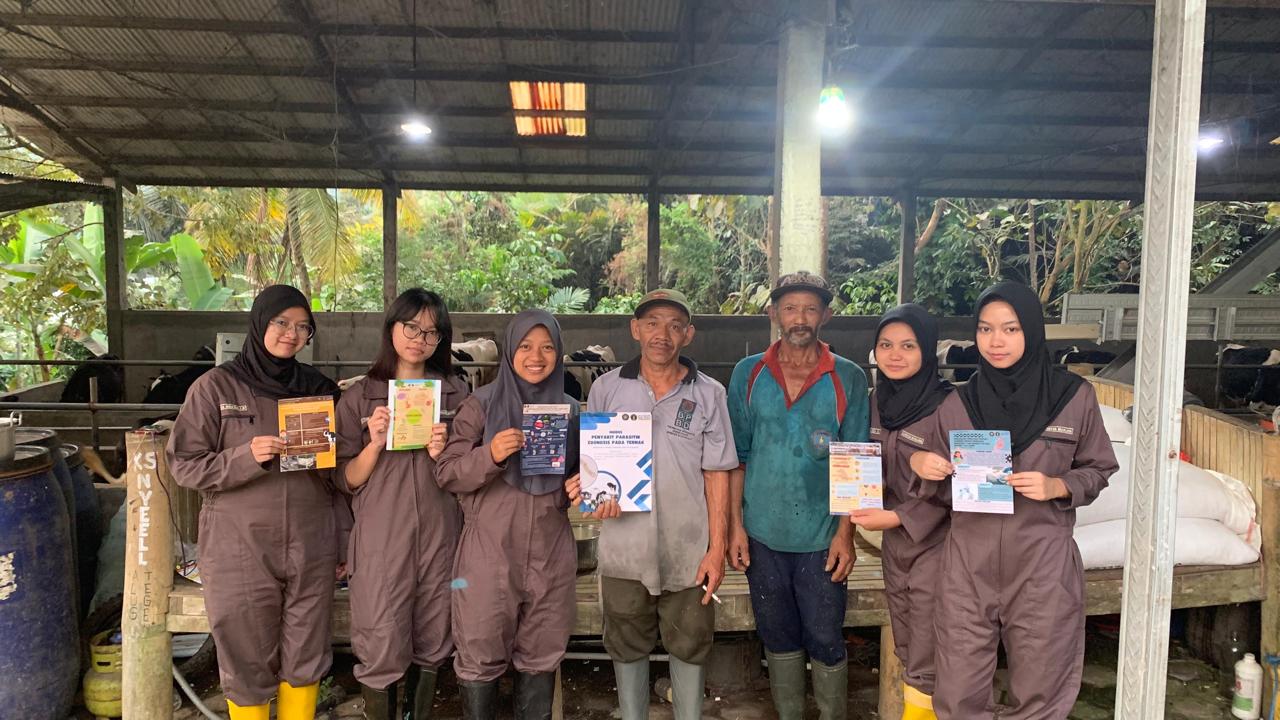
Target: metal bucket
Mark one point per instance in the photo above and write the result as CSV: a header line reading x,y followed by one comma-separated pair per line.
x,y
586,538
8,429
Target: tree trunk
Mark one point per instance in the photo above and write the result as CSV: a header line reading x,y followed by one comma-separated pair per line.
x,y
938,206
293,246
251,272
35,337
1031,245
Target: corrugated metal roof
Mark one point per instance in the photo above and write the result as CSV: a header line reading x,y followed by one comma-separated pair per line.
x,y
963,96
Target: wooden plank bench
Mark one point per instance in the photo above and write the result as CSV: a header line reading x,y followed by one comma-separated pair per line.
x,y
1213,440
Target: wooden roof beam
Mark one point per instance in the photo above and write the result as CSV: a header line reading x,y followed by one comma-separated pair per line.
x,y
377,30
649,76
990,191
1131,147
831,171
869,117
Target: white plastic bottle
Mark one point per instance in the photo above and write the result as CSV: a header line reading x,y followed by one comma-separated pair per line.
x,y
1246,702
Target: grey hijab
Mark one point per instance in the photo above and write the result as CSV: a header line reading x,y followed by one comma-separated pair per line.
x,y
503,401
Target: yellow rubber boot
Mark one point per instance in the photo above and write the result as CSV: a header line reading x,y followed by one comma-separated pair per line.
x,y
297,703
249,712
916,705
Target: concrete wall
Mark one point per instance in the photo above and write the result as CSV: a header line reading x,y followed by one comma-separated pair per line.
x,y
40,392
719,339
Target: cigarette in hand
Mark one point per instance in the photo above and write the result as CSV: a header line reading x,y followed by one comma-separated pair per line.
x,y
713,595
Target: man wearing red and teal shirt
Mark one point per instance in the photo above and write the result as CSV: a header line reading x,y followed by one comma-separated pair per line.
x,y
787,405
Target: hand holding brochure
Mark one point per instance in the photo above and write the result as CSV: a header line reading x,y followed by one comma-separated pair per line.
x,y
307,428
617,460
984,461
857,477
546,439
415,409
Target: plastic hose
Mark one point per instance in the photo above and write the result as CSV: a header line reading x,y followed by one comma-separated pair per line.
x,y
195,700
1273,665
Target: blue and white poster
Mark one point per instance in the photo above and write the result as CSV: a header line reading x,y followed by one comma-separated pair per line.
x,y
616,453
984,461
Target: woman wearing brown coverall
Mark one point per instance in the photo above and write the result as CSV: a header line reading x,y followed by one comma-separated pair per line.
x,y
267,539
1017,579
401,551
513,598
908,390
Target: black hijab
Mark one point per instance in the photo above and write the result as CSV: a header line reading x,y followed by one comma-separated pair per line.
x,y
504,400
1026,397
902,402
268,375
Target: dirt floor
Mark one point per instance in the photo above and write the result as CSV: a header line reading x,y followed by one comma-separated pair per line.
x,y
1194,688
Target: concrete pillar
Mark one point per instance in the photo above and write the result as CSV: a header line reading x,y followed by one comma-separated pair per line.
x,y
390,244
797,156
1162,328
653,244
117,275
907,248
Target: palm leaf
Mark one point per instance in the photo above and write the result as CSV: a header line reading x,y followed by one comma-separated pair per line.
x,y
327,244
196,277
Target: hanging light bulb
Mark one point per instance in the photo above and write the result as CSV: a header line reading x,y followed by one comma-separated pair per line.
x,y
1209,141
415,129
834,113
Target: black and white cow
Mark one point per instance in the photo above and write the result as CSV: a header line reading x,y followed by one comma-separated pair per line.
x,y
577,381
110,382
957,352
478,350
172,389
1257,387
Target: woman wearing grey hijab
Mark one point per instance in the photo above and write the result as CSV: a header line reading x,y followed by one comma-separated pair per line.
x,y
514,578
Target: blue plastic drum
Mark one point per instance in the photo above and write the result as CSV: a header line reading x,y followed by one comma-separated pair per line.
x,y
48,439
88,523
39,645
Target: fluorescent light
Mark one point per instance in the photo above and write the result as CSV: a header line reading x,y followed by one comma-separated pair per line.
x,y
1209,141
415,129
834,113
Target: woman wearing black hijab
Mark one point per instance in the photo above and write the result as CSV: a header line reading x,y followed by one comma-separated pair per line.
x,y
514,579
1017,579
267,545
908,390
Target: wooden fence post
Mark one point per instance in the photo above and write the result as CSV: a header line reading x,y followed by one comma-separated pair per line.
x,y
890,676
148,578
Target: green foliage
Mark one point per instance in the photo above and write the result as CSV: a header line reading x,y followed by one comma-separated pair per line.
x,y
871,292
950,271
751,301
623,304
213,248
567,300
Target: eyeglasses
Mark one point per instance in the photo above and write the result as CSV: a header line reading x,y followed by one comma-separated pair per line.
x,y
282,326
413,331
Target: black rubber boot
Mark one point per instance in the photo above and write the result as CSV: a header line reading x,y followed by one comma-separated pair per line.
x,y
380,704
419,692
534,692
479,699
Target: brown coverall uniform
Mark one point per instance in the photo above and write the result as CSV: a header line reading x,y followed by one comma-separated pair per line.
x,y
1018,578
911,554
267,542
401,550
514,579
